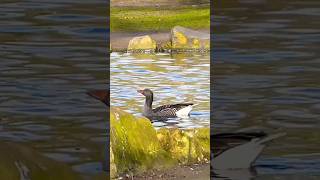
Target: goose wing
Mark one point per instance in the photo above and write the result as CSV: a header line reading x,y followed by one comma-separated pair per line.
x,y
224,141
170,109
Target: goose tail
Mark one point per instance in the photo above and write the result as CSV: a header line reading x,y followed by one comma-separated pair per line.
x,y
185,112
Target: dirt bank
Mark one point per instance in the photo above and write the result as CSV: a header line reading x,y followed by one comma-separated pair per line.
x,y
199,172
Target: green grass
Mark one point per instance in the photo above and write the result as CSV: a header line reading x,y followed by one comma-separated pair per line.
x,y
156,19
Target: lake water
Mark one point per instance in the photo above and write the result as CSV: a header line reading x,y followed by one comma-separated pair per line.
x,y
52,52
174,78
266,67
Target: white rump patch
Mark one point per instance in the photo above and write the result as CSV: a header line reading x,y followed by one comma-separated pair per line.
x,y
184,112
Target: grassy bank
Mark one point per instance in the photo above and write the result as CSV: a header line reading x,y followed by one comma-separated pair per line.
x,y
157,19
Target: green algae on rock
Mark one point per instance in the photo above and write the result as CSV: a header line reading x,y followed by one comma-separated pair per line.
x,y
134,143
186,146
184,38
137,147
113,167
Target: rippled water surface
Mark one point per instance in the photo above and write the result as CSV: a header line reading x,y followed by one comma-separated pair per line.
x,y
174,78
266,68
51,53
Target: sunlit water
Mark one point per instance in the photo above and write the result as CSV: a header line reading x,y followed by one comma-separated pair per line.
x,y
176,78
51,54
266,68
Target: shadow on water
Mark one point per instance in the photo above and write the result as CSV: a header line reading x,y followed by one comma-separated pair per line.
x,y
266,61
51,54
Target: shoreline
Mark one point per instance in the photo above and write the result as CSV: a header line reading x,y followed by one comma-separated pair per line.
x,y
119,41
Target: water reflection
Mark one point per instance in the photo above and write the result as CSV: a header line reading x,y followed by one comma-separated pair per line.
x,y
265,69
236,174
21,162
51,54
173,79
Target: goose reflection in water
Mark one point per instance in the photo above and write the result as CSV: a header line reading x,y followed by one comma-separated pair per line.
x,y
233,154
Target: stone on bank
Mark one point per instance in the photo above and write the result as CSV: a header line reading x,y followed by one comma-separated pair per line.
x,y
144,43
184,38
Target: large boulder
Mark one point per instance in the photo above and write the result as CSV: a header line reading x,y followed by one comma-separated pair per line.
x,y
184,39
144,43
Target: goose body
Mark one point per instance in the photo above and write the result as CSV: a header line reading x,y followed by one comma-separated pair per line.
x,y
181,110
238,150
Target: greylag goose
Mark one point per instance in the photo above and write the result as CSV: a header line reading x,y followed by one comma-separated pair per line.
x,y
167,111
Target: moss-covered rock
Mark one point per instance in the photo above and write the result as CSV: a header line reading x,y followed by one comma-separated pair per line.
x,y
143,43
186,146
113,167
134,142
184,38
136,146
